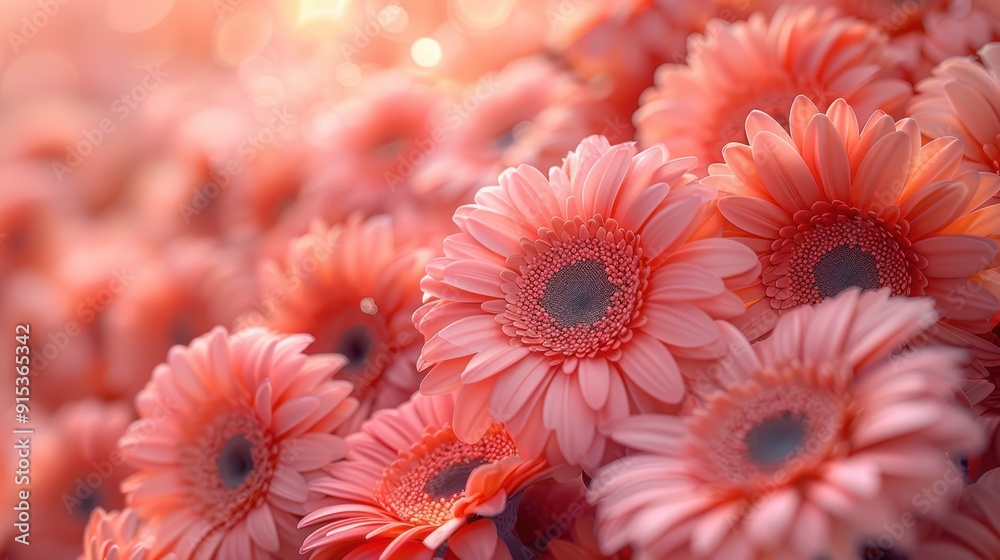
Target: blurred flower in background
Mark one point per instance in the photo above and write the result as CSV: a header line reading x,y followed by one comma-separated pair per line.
x,y
452,195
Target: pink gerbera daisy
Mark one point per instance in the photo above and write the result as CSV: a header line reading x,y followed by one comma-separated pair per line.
x,y
695,109
491,127
555,522
921,33
962,99
119,535
409,486
617,46
371,145
179,292
230,429
990,457
74,467
353,288
926,32
972,531
564,301
830,206
813,438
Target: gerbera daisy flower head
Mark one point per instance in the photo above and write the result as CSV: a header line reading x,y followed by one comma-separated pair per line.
x,y
920,33
566,301
189,286
555,522
990,457
81,466
97,264
957,30
734,68
230,429
489,127
924,34
972,530
814,436
30,219
617,46
118,534
962,99
353,287
409,485
371,144
75,468
831,204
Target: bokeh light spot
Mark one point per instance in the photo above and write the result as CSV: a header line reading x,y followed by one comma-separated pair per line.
x,y
426,52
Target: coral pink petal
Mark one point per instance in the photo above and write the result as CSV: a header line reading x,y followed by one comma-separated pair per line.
x,y
681,324
653,369
754,215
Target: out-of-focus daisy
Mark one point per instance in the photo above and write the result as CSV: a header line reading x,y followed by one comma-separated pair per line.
x,y
354,288
734,68
185,289
555,522
813,437
96,265
410,487
373,144
921,33
230,429
118,535
972,531
564,300
833,205
617,46
990,457
927,32
30,219
75,466
959,30
491,127
962,99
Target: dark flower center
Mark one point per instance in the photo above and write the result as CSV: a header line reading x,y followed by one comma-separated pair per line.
x,y
235,461
776,439
579,293
580,285
833,247
505,139
846,267
452,479
355,343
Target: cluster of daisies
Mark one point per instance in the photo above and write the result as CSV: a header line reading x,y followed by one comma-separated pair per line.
x,y
516,280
